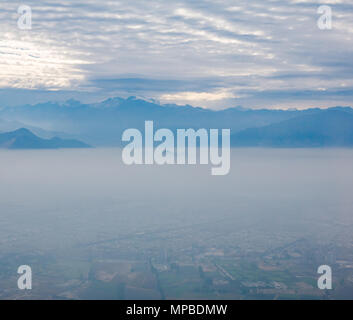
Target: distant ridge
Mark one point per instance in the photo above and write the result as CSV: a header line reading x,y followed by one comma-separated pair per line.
x,y
25,139
329,128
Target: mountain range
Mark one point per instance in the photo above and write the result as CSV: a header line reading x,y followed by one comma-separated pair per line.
x,y
102,124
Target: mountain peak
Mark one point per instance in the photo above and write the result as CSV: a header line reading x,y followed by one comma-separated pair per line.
x,y
22,131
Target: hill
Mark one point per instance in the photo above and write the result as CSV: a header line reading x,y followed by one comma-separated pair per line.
x,y
325,129
25,139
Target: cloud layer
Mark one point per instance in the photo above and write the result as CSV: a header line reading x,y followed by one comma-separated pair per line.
x,y
209,53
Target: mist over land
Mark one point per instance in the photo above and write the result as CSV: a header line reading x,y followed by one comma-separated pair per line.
x,y
92,228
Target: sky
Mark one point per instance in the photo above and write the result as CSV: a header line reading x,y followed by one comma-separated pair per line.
x,y
214,54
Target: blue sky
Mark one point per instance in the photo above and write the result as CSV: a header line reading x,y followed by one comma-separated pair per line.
x,y
214,54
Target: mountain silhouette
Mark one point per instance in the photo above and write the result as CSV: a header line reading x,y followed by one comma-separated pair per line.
x,y
102,124
25,139
325,129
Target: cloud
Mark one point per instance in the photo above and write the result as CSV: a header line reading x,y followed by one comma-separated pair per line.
x,y
205,97
211,53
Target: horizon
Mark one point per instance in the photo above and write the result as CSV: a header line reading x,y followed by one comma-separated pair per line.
x,y
159,103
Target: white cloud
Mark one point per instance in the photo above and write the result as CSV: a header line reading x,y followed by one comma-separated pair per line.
x,y
197,97
245,47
